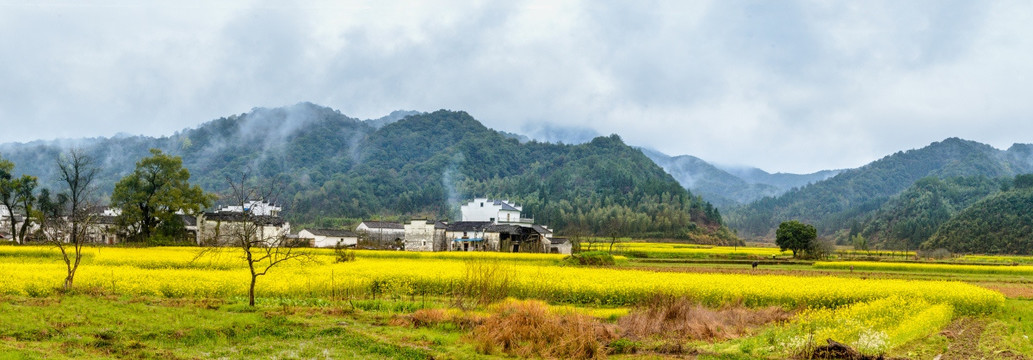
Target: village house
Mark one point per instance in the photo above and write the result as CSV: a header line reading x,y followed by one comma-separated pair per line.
x,y
102,229
381,234
260,208
560,246
421,235
228,228
515,238
329,237
494,211
466,235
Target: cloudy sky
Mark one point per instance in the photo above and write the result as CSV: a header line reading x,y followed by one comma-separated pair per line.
x,y
785,86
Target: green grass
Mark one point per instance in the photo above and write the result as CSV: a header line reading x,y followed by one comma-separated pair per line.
x,y
76,327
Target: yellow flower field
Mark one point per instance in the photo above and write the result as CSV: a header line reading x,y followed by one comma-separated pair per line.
x,y
173,272
916,267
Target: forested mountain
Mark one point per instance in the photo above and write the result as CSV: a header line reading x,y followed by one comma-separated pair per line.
x,y
835,204
998,224
910,218
337,169
730,186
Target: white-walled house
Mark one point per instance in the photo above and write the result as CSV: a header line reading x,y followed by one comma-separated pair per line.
x,y
381,234
259,208
467,235
329,237
560,246
494,211
226,228
421,235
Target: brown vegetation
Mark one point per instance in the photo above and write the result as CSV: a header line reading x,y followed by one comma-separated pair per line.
x,y
683,319
528,329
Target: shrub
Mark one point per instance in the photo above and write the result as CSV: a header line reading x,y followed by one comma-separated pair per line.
x,y
682,319
591,258
528,329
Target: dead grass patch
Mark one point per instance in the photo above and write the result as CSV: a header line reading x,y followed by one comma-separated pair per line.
x,y
683,319
529,329
436,317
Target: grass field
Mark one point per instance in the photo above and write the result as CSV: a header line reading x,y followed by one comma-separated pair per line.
x,y
170,303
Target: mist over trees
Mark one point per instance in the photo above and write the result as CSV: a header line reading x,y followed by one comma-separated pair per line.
x,y
339,169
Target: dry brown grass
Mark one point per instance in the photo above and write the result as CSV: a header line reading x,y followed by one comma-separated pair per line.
x,y
683,319
435,317
529,329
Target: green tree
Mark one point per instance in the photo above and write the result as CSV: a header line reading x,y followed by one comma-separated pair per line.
x,y
794,235
860,243
15,194
154,193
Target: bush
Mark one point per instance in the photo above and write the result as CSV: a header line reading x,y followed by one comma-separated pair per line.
x,y
591,258
527,329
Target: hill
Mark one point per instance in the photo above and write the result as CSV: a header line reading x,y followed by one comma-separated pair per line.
x,y
998,224
336,169
727,187
912,217
834,204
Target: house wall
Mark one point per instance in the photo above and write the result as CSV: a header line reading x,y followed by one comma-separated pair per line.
x,y
385,236
226,233
419,236
565,248
453,237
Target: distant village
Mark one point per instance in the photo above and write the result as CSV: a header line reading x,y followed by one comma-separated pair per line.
x,y
485,225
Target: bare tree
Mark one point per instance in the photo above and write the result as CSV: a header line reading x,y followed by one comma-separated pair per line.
x,y
263,247
69,216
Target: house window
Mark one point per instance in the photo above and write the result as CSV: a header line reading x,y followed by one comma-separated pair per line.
x,y
491,219
464,234
482,204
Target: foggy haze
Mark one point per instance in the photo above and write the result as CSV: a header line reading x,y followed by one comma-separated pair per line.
x,y
784,86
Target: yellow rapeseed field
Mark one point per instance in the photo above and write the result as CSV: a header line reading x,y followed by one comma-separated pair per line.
x,y
174,272
917,267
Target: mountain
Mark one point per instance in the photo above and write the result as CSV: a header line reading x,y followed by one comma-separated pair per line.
x,y
834,204
913,216
727,187
998,224
336,169
390,118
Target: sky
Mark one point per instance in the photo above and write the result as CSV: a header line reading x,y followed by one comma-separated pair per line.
x,y
788,86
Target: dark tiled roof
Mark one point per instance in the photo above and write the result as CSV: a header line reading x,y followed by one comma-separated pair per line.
x,y
541,229
468,226
440,225
188,220
240,217
383,225
332,232
105,220
508,229
559,241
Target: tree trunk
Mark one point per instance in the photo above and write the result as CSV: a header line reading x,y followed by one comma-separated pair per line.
x,y
251,291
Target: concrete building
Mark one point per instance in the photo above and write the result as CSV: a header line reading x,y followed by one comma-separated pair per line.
x,y
493,211
329,237
421,235
381,235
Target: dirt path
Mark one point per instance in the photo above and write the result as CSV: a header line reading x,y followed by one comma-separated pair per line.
x,y
964,335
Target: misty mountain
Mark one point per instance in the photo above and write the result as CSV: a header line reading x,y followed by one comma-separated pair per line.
x,y
557,134
390,118
337,169
727,187
834,204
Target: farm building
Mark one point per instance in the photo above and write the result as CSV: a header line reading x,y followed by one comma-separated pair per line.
x,y
381,234
329,237
421,235
227,228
